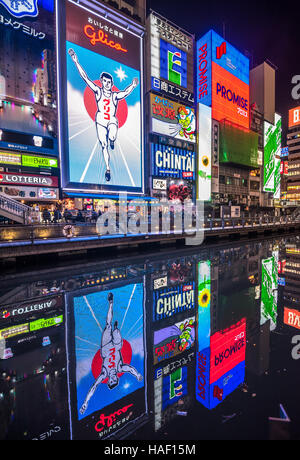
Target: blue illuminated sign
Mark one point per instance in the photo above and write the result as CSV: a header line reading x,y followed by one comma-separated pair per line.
x,y
173,64
172,162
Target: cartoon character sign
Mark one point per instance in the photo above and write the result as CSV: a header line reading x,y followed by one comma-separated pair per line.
x,y
103,140
107,124
21,8
187,121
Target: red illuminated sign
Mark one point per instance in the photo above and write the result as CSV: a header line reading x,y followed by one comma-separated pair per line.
x,y
101,37
228,349
109,420
294,117
221,50
292,318
230,97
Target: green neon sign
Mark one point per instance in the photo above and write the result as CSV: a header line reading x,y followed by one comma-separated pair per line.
x,y
39,162
45,323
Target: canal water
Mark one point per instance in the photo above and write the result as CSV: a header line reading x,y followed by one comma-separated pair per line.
x,y
182,344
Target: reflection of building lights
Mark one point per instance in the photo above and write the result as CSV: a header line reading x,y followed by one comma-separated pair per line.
x,y
1,133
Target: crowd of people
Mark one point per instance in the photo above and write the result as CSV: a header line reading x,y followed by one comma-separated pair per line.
x,y
69,217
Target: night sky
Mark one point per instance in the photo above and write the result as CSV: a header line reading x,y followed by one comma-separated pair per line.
x,y
266,30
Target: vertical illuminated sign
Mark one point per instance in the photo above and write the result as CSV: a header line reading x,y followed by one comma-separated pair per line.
x,y
172,59
269,289
294,117
272,153
103,139
204,152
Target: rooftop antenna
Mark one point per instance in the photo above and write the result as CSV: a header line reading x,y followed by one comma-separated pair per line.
x,y
224,30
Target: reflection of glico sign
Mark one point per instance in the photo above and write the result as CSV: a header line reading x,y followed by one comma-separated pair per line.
x,y
169,304
109,420
101,37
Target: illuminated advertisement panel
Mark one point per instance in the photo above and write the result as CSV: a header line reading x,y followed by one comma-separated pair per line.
x,y
173,340
172,60
292,318
172,389
204,152
272,153
28,97
29,193
104,145
107,360
220,366
171,119
230,97
28,179
172,162
39,162
10,158
269,290
223,79
168,302
294,117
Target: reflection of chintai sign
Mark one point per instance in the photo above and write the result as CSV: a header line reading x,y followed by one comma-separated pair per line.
x,y
171,302
172,162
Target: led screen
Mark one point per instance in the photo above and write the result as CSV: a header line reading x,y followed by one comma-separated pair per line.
x,y
28,92
292,318
104,148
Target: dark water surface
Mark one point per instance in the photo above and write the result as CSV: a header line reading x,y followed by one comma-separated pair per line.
x,y
174,344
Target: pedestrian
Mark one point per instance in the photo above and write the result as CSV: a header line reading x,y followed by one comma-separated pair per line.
x,y
57,216
46,216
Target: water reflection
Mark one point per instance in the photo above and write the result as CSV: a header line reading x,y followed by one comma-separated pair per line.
x,y
193,344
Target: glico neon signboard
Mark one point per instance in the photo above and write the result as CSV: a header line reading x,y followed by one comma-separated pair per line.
x,y
102,146
223,79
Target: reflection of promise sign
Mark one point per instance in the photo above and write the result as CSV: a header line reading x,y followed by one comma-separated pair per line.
x,y
24,179
173,119
172,162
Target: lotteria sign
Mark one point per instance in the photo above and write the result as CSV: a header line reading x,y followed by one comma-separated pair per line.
x,y
172,162
26,179
223,79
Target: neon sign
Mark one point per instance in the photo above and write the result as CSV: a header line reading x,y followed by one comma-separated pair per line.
x,y
101,37
107,421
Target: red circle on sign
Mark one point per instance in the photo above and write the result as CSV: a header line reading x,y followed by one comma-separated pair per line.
x,y
91,104
126,353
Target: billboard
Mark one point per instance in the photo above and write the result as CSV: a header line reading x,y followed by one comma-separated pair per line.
x,y
292,318
238,145
173,340
28,93
107,359
173,162
223,79
272,153
103,136
173,389
172,119
172,60
204,152
171,301
220,366
269,289
294,117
